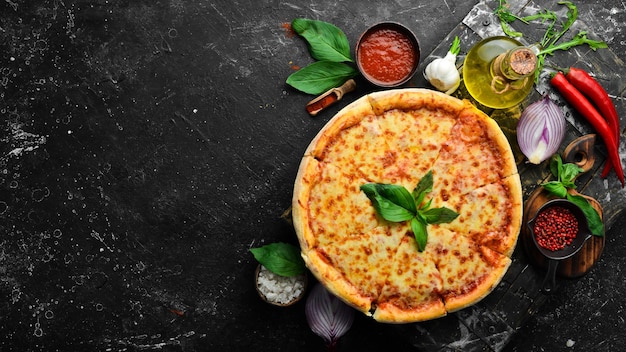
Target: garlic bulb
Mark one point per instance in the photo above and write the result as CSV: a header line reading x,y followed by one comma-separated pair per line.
x,y
442,72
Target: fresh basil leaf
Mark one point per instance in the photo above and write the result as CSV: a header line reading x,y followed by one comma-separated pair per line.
x,y
439,215
321,76
420,232
593,218
326,41
569,172
556,166
556,188
569,184
280,258
425,185
427,205
386,208
397,195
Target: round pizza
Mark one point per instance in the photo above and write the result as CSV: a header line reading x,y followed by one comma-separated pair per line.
x,y
397,137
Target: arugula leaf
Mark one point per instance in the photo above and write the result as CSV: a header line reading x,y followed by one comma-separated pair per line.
x,y
321,76
579,39
506,17
552,35
395,203
326,41
280,258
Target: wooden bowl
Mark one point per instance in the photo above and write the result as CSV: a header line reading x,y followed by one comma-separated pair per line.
x,y
300,278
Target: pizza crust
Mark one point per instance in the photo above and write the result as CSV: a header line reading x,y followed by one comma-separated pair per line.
x,y
395,136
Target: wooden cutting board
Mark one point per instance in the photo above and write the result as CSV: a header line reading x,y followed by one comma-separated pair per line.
x,y
580,152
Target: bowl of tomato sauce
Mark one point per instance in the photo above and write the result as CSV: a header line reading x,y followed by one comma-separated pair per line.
x,y
387,54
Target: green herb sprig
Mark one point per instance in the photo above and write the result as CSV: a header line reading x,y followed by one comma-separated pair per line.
x,y
565,174
549,43
280,258
396,204
329,45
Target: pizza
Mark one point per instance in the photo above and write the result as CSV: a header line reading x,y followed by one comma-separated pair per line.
x,y
397,137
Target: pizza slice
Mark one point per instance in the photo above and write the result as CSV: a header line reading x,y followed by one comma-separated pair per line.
x,y
415,136
353,142
328,204
469,271
490,215
476,154
354,267
412,290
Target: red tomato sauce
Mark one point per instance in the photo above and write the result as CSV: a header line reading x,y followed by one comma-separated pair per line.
x,y
386,55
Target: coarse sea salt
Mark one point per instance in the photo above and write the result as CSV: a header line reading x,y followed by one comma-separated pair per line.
x,y
279,289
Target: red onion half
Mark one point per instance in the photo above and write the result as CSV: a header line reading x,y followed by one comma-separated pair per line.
x,y
328,316
540,130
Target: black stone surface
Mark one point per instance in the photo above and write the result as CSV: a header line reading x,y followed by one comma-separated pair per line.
x,y
146,146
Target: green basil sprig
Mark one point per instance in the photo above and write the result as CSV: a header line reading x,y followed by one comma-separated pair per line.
x,y
329,45
565,174
326,41
320,76
394,203
280,258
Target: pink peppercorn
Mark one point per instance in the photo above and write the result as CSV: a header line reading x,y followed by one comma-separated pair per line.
x,y
555,228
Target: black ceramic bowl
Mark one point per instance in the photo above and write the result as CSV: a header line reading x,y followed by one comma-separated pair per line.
x,y
387,54
582,235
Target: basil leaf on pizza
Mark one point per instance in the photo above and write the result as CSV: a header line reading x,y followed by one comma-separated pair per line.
x,y
418,226
394,203
424,186
439,215
389,201
398,195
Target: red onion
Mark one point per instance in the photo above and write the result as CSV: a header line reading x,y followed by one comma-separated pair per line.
x,y
327,315
540,130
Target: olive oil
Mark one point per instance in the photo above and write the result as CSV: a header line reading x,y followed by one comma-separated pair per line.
x,y
498,72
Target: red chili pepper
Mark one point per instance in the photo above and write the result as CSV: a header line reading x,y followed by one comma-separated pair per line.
x,y
585,108
593,90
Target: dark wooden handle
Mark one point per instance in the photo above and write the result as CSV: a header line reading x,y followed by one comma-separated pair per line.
x,y
580,152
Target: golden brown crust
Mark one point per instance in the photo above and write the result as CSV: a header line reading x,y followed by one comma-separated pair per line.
x,y
395,136
469,271
336,282
347,117
414,98
455,302
413,287
307,174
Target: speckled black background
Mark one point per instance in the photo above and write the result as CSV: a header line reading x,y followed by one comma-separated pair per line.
x,y
146,145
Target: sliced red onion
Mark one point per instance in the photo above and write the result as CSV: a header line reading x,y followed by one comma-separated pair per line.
x,y
328,316
540,130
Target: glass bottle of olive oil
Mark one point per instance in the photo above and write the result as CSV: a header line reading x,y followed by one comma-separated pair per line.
x,y
498,72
